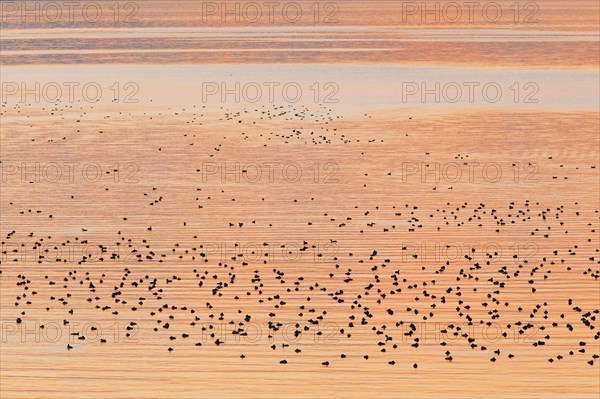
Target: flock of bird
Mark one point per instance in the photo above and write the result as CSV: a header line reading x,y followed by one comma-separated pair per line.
x,y
358,270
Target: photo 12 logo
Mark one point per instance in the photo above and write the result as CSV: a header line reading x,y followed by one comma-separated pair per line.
x,y
436,333
71,252
270,92
485,252
469,172
262,252
64,12
68,172
69,92
272,333
269,172
469,92
270,12
469,12
69,332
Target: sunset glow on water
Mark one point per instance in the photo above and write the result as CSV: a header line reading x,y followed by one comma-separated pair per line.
x,y
338,199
